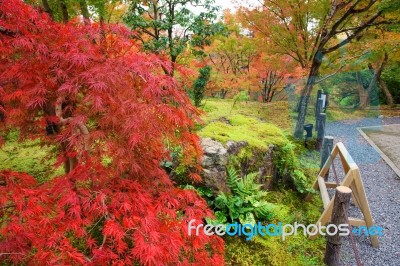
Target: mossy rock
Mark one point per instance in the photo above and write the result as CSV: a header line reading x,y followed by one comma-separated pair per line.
x,y
258,134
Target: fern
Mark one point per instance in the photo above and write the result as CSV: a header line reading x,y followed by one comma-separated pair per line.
x,y
246,203
232,179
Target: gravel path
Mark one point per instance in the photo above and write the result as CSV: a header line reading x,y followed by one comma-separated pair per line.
x,y
382,187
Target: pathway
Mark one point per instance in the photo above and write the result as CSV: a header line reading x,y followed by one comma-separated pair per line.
x,y
382,187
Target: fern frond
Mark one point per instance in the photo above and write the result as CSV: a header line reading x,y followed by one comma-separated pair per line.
x,y
232,179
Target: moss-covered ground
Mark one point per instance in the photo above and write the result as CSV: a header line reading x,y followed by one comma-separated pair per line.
x,y
29,157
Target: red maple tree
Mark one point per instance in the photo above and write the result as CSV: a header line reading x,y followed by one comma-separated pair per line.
x,y
98,97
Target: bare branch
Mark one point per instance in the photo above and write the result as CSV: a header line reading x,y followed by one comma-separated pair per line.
x,y
7,32
352,36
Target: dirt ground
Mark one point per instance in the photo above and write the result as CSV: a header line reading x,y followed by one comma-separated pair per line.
x,y
387,139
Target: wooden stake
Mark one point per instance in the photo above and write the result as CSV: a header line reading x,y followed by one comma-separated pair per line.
x,y
339,214
327,147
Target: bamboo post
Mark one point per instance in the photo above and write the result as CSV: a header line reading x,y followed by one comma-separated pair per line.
x,y
321,130
327,147
339,214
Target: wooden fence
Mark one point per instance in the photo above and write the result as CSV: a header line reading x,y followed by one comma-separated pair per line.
x,y
351,180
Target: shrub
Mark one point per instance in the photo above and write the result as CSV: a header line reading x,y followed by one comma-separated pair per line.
x,y
200,84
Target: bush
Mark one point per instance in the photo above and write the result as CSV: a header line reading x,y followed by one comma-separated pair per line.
x,y
200,84
348,101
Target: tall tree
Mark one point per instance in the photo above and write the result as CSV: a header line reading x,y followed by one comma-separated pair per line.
x,y
231,56
64,10
310,30
170,27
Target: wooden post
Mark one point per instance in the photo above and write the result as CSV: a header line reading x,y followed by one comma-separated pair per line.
x,y
321,130
327,147
317,102
339,214
326,103
318,109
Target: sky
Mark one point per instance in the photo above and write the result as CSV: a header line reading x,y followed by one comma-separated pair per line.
x,y
231,4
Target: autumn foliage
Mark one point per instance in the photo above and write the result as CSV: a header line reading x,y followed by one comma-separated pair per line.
x,y
105,100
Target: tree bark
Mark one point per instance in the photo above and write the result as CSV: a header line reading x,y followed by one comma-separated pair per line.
x,y
382,84
386,91
64,11
362,92
84,9
305,95
377,73
47,8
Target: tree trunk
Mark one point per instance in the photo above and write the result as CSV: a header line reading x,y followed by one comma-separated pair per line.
x,y
223,93
386,91
362,92
47,8
382,84
84,9
365,101
64,11
305,95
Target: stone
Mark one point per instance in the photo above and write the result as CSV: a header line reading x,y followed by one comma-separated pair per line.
x,y
234,148
214,163
268,172
214,153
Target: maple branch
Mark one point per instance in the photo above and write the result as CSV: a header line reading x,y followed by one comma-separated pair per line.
x,y
7,32
11,253
7,206
343,65
63,121
352,36
107,217
369,25
330,75
371,2
47,8
343,18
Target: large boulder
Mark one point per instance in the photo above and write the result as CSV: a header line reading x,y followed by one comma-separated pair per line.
x,y
215,161
234,148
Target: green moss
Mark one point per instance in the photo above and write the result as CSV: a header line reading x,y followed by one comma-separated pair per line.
x,y
276,113
294,250
257,133
239,252
29,157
